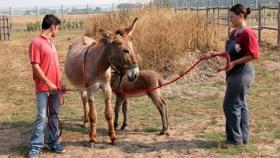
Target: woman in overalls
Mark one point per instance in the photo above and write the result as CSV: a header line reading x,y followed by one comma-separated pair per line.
x,y
242,47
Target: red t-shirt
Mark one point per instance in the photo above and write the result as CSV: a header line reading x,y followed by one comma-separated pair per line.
x,y
43,52
247,42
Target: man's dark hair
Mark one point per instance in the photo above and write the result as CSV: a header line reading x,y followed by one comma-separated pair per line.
x,y
50,20
240,9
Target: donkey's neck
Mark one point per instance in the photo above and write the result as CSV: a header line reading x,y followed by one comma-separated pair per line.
x,y
98,61
104,59
106,54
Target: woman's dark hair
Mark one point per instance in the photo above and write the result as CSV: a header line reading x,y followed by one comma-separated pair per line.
x,y
50,20
240,9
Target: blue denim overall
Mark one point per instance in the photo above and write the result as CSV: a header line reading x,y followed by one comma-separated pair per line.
x,y
238,80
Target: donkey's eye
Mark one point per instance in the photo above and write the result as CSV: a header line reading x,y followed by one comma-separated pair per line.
x,y
125,51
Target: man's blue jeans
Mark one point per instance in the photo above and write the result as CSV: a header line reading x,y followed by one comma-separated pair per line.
x,y
38,129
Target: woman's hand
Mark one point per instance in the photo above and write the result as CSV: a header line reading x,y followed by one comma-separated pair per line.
x,y
230,67
210,54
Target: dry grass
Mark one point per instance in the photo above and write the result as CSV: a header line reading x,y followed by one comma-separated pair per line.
x,y
161,37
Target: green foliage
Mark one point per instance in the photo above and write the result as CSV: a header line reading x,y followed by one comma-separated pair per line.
x,y
33,26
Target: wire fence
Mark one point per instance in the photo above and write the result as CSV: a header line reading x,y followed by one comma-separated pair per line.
x,y
72,17
262,17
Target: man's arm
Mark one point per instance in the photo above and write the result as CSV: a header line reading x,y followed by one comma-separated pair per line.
x,y
40,74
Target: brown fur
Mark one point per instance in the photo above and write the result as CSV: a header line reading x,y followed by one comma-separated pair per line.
x,y
147,79
97,69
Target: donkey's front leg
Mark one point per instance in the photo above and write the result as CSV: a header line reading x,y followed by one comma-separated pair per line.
x,y
117,108
109,111
92,116
124,110
86,108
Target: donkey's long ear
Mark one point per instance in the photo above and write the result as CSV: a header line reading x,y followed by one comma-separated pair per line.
x,y
105,35
129,30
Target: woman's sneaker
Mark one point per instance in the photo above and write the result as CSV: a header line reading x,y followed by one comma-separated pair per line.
x,y
58,148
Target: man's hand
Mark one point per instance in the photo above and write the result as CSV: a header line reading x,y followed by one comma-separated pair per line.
x,y
39,73
52,87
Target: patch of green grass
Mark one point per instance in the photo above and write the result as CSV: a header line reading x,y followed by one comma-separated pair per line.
x,y
208,144
150,129
276,134
217,136
212,102
219,83
213,121
240,150
19,151
266,125
215,140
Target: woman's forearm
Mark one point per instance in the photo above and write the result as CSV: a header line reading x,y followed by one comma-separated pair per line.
x,y
243,60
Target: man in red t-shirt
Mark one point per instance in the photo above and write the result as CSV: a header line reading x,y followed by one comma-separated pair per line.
x,y
46,75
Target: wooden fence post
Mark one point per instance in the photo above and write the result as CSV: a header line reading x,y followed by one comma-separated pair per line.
x,y
10,19
8,27
213,16
0,28
260,23
207,13
62,18
4,27
37,19
264,16
218,20
278,38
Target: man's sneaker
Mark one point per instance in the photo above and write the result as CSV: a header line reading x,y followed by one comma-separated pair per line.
x,y
58,148
34,154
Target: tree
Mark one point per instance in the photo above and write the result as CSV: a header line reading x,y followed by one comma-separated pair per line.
x,y
27,12
97,9
166,3
126,6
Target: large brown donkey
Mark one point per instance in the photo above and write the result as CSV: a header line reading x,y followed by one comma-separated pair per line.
x,y
147,79
88,66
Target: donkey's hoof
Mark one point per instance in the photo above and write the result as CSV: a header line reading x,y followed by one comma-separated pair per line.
x,y
167,133
123,127
85,125
113,143
116,125
164,133
92,145
113,138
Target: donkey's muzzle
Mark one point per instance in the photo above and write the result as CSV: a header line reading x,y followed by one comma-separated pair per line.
x,y
132,74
